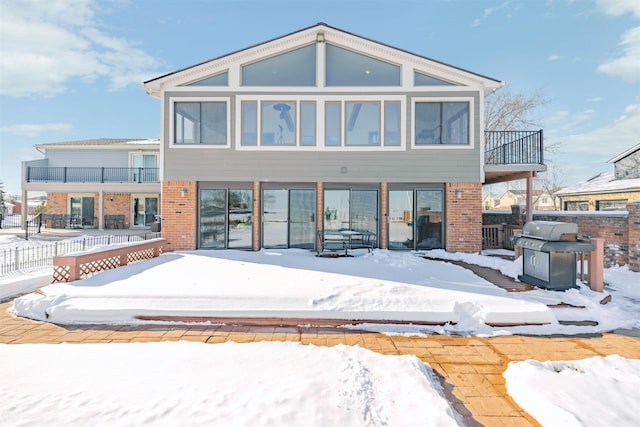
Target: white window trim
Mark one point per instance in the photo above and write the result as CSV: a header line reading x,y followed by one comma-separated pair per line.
x,y
143,153
172,135
472,129
320,122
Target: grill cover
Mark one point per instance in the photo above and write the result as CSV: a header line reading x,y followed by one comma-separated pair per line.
x,y
548,230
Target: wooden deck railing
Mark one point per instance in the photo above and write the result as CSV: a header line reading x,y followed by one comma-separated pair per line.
x,y
67,268
499,236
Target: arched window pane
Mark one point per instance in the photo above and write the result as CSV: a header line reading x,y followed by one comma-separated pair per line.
x,y
347,68
294,68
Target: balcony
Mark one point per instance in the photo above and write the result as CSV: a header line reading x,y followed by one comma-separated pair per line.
x,y
92,175
511,155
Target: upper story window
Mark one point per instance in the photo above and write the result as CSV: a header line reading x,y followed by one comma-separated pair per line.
x,y
221,79
293,68
144,167
420,79
441,123
200,123
348,68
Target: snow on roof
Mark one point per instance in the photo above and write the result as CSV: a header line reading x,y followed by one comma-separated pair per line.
x,y
100,142
601,183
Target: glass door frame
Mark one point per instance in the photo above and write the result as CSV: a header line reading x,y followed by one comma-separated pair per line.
x,y
288,188
132,211
414,189
350,189
227,220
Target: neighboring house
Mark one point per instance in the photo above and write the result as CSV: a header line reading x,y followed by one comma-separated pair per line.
x,y
286,142
609,190
98,183
542,200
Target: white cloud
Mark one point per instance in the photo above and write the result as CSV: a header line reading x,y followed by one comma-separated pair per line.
x,y
619,7
33,130
595,99
627,66
487,12
553,57
46,45
609,140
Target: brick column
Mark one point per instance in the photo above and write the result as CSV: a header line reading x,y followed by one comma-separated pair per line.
x,y
464,217
384,226
634,235
319,206
179,213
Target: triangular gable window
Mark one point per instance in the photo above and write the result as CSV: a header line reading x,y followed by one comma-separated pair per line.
x,y
221,79
294,68
347,68
420,79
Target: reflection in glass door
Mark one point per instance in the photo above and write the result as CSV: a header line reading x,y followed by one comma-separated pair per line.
x,y
288,218
274,218
352,210
302,218
429,219
213,209
145,210
81,211
401,219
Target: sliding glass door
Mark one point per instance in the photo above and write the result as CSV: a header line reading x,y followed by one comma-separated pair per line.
x,y
355,210
416,219
226,219
288,218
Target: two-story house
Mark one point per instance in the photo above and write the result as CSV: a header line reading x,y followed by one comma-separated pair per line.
x,y
321,131
99,183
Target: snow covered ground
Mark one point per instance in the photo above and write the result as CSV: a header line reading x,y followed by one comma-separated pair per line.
x,y
181,383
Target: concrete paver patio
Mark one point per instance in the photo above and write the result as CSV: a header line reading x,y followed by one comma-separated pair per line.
x,y
470,368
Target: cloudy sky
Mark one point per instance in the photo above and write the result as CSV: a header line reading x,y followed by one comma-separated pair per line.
x,y
72,69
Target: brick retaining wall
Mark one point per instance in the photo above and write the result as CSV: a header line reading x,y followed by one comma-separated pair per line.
x,y
620,229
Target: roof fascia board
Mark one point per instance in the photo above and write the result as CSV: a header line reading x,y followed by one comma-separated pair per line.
x,y
331,35
625,154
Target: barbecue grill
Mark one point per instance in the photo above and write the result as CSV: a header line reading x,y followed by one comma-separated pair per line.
x,y
549,254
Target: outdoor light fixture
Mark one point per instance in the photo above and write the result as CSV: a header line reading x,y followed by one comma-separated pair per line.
x,y
183,192
320,37
458,193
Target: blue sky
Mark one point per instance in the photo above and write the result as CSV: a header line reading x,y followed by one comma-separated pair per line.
x,y
72,69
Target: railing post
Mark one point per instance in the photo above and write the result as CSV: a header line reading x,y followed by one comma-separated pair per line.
x,y
102,174
64,174
28,173
541,148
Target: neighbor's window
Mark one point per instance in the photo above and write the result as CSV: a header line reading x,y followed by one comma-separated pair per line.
x,y
576,206
441,123
201,123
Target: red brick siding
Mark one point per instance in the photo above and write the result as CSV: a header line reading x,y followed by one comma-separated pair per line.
x,y
179,214
464,217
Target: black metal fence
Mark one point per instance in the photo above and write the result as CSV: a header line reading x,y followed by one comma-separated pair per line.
x,y
91,174
32,226
513,147
10,221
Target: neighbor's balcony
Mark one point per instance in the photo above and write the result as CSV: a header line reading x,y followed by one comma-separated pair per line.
x,y
512,147
88,175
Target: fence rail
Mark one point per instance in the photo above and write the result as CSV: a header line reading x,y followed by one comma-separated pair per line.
x,y
513,147
36,256
499,236
91,174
